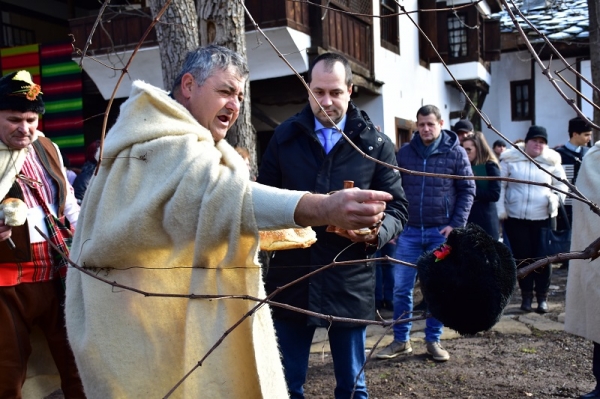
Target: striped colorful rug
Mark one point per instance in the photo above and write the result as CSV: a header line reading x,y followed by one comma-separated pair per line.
x,y
51,67
21,57
61,84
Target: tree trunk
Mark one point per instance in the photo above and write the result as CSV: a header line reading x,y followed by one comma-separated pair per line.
x,y
177,33
222,22
594,14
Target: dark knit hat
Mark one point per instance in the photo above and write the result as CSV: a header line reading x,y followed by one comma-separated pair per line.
x,y
468,281
579,125
19,93
463,125
536,131
499,143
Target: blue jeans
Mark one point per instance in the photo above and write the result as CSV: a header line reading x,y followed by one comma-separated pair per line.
x,y
347,350
384,274
412,243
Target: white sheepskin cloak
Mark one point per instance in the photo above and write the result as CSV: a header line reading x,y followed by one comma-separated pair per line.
x,y
583,283
169,212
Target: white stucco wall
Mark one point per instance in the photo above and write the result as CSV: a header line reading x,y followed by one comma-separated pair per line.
x,y
407,85
497,105
586,90
551,110
265,63
145,66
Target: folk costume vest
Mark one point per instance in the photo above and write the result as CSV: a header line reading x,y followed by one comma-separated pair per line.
x,y
50,160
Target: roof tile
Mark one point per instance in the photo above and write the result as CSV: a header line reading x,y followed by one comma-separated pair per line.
x,y
564,20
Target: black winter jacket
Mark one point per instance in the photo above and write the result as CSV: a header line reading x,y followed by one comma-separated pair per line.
x,y
437,201
295,160
83,180
484,211
571,161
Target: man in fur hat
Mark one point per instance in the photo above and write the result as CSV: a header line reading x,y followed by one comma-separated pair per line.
x,y
30,285
571,155
172,210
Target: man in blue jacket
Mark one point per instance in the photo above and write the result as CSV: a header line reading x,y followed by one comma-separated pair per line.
x,y
437,205
306,154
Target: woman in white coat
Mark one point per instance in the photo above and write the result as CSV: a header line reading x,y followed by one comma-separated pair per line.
x,y
527,208
583,284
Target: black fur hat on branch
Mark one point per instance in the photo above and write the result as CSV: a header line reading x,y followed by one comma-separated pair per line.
x,y
468,281
19,93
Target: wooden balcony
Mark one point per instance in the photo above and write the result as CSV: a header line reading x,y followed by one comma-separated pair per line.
x,y
275,14
116,32
330,29
15,36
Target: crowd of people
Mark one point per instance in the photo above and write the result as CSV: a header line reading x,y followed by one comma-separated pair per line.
x,y
187,220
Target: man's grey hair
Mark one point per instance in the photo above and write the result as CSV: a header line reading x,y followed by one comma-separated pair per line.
x,y
203,62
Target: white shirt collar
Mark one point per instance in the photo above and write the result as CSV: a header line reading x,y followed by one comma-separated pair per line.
x,y
573,147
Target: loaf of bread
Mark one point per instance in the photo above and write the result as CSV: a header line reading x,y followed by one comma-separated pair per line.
x,y
13,211
278,240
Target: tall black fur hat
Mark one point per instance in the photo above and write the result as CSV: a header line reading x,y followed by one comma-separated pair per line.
x,y
579,125
19,93
468,281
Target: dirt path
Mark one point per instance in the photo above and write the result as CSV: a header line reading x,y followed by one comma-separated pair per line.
x,y
544,364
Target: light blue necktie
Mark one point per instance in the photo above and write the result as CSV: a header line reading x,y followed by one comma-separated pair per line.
x,y
327,144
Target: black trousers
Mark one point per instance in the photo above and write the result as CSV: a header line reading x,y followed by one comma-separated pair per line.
x,y
523,236
562,224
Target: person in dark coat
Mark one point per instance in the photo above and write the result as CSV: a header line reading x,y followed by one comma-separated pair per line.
x,y
499,147
304,154
484,163
463,129
87,170
384,278
571,154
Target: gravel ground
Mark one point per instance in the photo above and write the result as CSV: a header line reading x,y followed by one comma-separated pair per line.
x,y
543,364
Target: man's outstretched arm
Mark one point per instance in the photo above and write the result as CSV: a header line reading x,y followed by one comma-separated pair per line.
x,y
349,209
